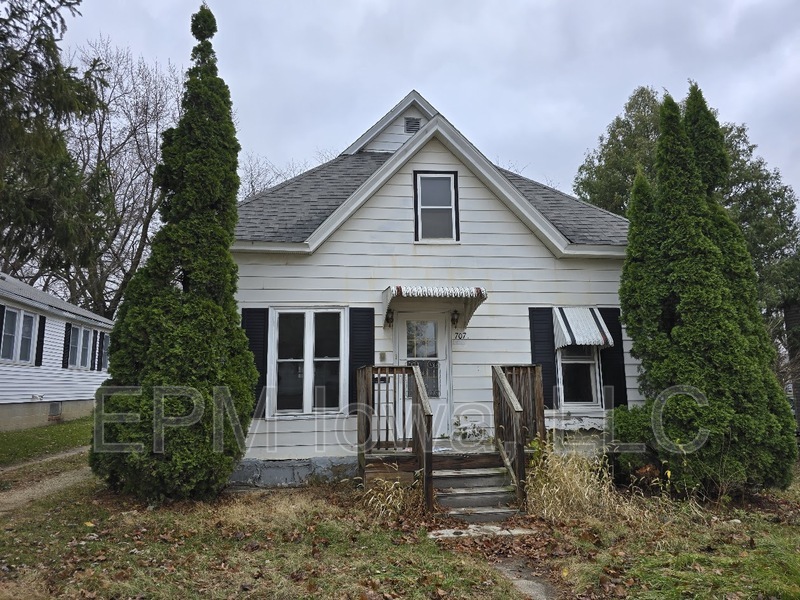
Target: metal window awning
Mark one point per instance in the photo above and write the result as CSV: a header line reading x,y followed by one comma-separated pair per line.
x,y
580,326
464,299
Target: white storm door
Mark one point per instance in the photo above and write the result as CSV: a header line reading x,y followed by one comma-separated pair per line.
x,y
424,341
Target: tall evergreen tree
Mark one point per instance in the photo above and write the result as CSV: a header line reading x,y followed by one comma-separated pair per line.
x,y
178,324
765,410
696,329
752,193
606,176
47,209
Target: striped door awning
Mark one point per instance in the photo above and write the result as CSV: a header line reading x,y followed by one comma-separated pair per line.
x,y
465,299
580,326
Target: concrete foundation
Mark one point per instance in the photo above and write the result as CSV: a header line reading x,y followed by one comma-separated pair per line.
x,y
291,473
24,415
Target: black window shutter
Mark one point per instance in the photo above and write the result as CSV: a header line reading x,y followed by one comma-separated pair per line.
x,y
2,317
543,349
40,341
93,362
65,356
613,360
362,347
255,322
100,344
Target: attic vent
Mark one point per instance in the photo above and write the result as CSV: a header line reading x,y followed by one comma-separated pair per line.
x,y
412,124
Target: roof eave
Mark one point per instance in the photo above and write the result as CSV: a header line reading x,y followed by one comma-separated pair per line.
x,y
246,246
53,310
593,251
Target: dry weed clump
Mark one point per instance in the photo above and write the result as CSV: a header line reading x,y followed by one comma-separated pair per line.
x,y
573,486
388,499
27,585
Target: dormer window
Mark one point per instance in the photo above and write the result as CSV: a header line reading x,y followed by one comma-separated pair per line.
x,y
436,206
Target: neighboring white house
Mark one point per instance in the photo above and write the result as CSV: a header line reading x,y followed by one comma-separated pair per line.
x,y
412,247
53,356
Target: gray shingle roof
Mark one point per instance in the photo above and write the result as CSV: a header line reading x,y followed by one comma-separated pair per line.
x,y
580,222
294,209
15,290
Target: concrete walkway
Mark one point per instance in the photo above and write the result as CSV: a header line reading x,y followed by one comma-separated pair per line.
x,y
514,569
19,497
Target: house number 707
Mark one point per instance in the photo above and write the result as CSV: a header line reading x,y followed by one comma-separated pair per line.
x,y
460,335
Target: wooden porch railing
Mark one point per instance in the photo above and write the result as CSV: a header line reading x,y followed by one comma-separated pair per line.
x,y
526,381
518,404
423,435
394,413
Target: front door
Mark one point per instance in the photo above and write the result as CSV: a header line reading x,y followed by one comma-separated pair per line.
x,y
424,341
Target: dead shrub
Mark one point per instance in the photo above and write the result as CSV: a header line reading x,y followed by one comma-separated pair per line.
x,y
388,499
573,486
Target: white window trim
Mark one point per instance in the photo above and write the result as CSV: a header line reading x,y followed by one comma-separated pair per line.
x,y
308,358
454,207
82,332
597,388
17,343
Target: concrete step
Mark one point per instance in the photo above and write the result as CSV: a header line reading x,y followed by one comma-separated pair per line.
x,y
461,478
481,514
476,497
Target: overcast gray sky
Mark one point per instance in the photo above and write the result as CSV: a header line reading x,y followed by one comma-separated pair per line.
x,y
530,83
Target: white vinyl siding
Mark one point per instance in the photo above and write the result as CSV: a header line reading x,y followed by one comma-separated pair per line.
x,y
375,248
22,382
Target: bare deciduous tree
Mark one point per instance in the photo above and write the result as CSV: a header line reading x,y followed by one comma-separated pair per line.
x,y
121,143
257,173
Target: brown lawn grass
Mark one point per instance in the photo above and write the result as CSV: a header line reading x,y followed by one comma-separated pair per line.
x,y
316,542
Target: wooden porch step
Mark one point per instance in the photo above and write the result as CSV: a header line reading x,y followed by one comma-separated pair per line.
x,y
464,478
470,486
400,461
477,497
482,515
466,460
448,460
387,474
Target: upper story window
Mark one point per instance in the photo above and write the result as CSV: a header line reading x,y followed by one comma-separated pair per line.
x,y
17,342
436,206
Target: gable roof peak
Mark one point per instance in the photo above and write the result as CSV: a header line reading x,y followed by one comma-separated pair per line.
x,y
413,98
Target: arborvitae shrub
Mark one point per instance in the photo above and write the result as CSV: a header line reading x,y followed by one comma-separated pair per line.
x,y
179,324
688,296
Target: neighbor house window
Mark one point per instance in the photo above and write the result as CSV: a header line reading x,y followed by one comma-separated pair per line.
x,y
104,353
579,375
17,342
309,372
80,347
436,206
